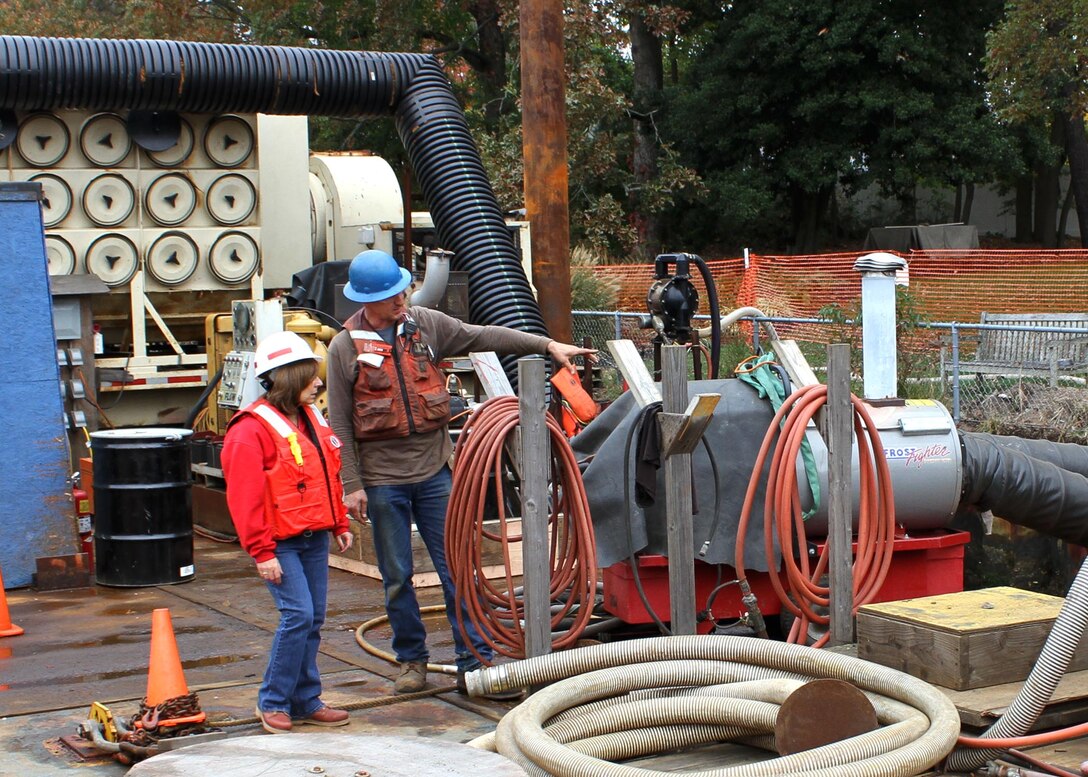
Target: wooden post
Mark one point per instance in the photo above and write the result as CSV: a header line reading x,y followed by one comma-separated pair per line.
x,y
544,151
535,457
681,543
839,434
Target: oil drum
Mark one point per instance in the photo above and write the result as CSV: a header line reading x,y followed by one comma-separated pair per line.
x,y
143,524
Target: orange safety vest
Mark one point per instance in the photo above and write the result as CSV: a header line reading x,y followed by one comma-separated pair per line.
x,y
303,487
399,389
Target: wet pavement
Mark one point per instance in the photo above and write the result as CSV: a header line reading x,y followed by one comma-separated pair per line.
x,y
93,644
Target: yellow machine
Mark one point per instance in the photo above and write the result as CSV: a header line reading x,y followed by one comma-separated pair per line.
x,y
231,339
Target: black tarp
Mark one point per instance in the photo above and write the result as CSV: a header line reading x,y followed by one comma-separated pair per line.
x,y
922,238
320,288
740,421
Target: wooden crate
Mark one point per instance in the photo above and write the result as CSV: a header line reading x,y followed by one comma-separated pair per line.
x,y
972,639
361,559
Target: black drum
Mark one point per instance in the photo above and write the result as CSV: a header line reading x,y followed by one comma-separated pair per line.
x,y
143,507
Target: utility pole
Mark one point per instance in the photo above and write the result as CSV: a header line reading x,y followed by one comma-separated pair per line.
x,y
544,147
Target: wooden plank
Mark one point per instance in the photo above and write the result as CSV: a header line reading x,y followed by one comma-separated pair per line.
x,y
979,708
681,534
968,611
535,455
421,579
361,558
694,421
491,375
794,362
630,364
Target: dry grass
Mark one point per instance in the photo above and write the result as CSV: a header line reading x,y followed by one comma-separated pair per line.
x,y
1036,412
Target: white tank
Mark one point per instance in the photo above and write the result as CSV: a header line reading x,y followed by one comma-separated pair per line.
x,y
351,196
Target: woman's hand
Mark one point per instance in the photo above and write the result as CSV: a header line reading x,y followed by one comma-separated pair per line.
x,y
344,540
270,570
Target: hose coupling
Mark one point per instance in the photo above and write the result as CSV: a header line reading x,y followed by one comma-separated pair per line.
x,y
754,617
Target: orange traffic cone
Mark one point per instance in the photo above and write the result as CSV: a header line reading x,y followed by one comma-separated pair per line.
x,y
7,628
165,679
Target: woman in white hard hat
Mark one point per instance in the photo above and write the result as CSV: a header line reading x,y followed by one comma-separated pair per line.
x,y
281,462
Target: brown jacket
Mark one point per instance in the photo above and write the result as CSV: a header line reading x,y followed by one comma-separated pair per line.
x,y
416,457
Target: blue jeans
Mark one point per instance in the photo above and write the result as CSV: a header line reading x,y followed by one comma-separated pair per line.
x,y
292,683
392,510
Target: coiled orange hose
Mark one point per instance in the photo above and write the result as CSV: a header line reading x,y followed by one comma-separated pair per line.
x,y
497,612
783,514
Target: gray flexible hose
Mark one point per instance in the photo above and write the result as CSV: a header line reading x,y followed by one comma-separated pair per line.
x,y
1039,687
921,723
733,317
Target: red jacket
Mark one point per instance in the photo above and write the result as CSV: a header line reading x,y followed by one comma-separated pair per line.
x,y
296,493
399,389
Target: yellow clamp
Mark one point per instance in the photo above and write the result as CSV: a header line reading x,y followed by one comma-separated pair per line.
x,y
296,449
101,715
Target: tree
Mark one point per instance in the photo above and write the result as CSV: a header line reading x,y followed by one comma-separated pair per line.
x,y
179,19
813,96
1038,62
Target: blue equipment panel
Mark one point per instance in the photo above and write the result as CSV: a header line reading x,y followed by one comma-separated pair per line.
x,y
36,518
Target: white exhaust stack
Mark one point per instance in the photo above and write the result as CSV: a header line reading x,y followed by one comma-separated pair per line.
x,y
878,322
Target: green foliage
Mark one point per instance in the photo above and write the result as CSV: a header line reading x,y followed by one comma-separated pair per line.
x,y
1038,59
771,111
587,290
914,366
813,96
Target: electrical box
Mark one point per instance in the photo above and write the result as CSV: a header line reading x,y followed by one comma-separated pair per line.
x,y
252,320
237,380
66,319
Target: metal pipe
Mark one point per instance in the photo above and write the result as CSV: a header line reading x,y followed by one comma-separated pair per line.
x,y
434,281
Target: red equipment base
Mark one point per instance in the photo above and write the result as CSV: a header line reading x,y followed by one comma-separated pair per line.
x,y
926,563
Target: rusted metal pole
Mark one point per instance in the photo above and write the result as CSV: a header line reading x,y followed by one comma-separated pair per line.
x,y
544,146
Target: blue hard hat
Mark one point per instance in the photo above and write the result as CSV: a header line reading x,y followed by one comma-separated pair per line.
x,y
373,276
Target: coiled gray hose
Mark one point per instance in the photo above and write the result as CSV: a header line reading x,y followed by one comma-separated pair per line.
x,y
601,705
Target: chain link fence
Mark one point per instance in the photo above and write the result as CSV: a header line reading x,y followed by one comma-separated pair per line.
x,y
935,361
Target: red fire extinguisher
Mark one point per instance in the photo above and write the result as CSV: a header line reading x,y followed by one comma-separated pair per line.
x,y
84,521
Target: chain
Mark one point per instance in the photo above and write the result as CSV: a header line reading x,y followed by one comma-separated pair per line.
x,y
149,718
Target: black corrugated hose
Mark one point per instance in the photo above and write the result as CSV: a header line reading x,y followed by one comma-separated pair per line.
x,y
154,75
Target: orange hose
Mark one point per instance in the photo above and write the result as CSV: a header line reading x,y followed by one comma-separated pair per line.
x,y
498,612
1028,740
797,583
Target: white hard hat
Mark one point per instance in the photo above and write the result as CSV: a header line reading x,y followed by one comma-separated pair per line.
x,y
281,348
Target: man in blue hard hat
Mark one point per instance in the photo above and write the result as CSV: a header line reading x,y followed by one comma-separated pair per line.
x,y
387,393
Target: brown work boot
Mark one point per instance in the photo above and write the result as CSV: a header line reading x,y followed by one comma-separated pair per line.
x,y
325,716
413,677
274,722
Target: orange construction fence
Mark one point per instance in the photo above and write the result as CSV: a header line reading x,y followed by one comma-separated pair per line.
x,y
947,285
